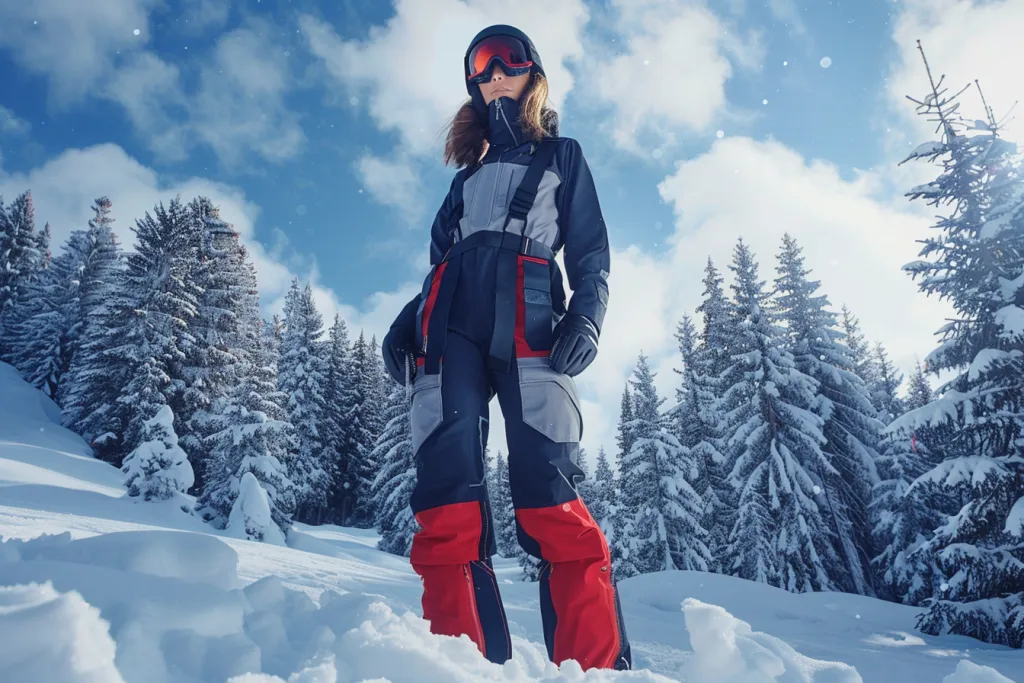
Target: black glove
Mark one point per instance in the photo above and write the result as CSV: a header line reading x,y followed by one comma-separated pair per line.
x,y
398,345
575,344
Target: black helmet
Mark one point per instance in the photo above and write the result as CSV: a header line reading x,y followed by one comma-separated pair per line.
x,y
497,30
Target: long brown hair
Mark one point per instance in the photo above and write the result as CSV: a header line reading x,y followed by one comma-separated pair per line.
x,y
467,132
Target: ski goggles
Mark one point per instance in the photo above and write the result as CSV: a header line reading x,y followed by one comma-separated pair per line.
x,y
510,52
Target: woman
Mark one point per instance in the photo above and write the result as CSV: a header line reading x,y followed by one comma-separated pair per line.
x,y
491,320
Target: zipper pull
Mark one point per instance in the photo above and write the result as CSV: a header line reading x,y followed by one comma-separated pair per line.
x,y
497,108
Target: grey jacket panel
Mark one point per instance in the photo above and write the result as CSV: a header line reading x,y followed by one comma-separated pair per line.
x,y
486,196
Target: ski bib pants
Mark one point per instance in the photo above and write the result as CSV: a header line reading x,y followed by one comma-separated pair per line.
x,y
484,322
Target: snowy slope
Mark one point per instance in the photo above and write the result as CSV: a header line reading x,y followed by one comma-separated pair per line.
x,y
139,592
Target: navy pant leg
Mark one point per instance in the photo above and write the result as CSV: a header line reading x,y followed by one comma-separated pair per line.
x,y
452,550
579,602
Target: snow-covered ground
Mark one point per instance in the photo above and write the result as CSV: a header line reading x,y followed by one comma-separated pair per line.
x,y
97,588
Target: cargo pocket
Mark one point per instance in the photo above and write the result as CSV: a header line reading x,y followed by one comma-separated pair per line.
x,y
538,321
426,411
550,403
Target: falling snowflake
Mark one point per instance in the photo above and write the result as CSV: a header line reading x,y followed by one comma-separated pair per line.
x,y
136,31
816,489
785,64
764,101
720,134
857,615
825,62
656,154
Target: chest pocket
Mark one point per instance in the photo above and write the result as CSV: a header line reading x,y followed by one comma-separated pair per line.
x,y
486,195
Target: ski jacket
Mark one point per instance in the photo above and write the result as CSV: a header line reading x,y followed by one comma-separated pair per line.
x,y
565,215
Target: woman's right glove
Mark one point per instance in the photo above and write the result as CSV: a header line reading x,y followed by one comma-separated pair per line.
x,y
399,344
575,344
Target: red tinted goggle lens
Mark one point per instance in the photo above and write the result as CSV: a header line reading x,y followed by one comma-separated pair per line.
x,y
511,51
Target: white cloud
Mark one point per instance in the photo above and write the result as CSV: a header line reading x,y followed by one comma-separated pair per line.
x,y
89,48
12,124
411,68
671,77
74,44
965,40
393,183
200,15
238,108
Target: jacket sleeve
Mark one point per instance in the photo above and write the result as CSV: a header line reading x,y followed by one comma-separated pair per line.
x,y
585,237
440,241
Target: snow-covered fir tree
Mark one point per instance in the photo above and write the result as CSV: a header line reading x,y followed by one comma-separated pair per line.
x,y
363,425
619,511
37,329
249,432
302,376
218,340
975,260
860,350
87,390
500,495
844,404
340,401
252,516
22,253
157,468
662,527
711,358
396,478
885,390
602,492
919,391
779,536
145,321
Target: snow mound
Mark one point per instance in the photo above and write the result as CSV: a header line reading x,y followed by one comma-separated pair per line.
x,y
727,649
250,515
969,672
52,636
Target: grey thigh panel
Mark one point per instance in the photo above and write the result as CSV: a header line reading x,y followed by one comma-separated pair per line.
x,y
426,411
551,404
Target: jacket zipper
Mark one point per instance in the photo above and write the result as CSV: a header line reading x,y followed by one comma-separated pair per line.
x,y
498,110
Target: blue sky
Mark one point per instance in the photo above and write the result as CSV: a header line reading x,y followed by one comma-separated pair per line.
x,y
317,129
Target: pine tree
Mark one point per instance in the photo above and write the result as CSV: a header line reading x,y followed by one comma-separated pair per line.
x,y
341,394
86,388
919,391
157,468
711,358
21,255
218,343
779,536
663,529
396,479
500,495
146,323
302,376
976,261
602,492
620,511
362,423
885,391
246,429
844,404
36,329
864,362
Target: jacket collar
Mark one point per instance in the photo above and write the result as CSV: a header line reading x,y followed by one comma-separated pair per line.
x,y
503,123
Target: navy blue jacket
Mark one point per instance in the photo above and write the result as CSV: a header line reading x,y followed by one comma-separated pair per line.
x,y
566,215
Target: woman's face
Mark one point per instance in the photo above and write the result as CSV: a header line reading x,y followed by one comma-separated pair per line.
x,y
501,85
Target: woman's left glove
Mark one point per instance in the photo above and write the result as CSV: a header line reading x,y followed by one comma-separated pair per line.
x,y
575,344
